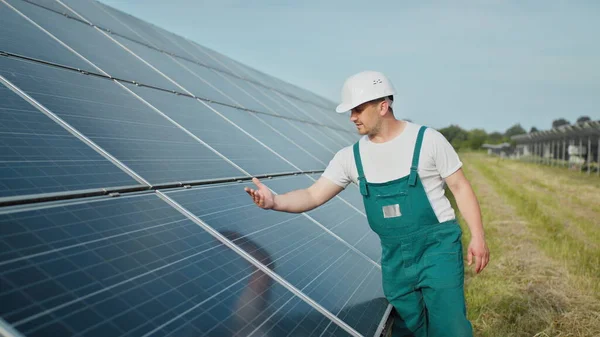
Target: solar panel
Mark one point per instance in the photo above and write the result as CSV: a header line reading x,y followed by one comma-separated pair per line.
x,y
49,4
94,46
166,258
311,259
341,121
19,36
121,124
285,105
188,75
338,215
301,135
39,156
136,266
231,86
239,147
273,138
134,29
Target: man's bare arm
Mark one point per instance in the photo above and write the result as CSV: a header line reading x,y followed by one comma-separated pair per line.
x,y
296,201
470,210
466,201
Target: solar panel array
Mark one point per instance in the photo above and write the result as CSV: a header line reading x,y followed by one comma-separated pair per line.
x,y
125,150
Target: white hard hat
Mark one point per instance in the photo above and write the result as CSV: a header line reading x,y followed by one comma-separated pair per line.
x,y
363,87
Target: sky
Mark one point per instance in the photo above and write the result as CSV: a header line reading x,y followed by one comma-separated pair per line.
x,y
477,64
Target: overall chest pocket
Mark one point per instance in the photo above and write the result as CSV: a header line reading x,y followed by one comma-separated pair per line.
x,y
390,209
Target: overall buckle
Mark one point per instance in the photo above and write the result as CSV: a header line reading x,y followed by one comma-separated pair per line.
x,y
412,179
363,186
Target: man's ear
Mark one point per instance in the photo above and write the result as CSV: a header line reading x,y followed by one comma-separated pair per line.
x,y
384,107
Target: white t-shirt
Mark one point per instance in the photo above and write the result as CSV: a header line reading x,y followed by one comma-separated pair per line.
x,y
391,160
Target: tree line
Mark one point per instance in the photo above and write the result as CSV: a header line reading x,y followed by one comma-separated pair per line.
x,y
475,138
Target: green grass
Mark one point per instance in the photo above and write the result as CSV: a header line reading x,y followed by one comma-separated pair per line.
x,y
542,280
555,238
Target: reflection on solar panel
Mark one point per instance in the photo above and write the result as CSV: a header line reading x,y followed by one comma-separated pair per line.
x,y
124,153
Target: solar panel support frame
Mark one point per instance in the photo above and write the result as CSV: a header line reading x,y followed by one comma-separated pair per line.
x,y
383,322
257,264
76,194
96,192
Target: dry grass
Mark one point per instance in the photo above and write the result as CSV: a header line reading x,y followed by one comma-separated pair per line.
x,y
533,286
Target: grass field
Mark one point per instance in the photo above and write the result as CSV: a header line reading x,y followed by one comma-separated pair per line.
x,y
543,229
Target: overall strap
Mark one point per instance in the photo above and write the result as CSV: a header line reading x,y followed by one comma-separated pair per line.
x,y
412,179
361,175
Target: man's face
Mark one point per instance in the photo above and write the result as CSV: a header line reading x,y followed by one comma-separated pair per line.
x,y
367,118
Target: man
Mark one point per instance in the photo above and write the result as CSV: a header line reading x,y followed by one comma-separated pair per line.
x,y
401,169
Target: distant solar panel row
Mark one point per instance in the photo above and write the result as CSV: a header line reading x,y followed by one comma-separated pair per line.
x,y
181,261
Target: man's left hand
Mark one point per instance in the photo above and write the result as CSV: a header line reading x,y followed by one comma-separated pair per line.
x,y
479,250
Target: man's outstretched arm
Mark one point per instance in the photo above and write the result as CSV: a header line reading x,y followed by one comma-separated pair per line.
x,y
296,201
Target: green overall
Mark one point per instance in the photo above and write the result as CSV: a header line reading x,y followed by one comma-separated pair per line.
x,y
422,261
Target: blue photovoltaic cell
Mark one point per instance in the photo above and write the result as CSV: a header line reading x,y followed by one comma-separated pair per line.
x,y
119,23
243,71
216,132
337,216
325,128
350,137
39,156
289,105
301,134
307,256
268,85
267,104
221,62
194,82
140,31
228,84
94,46
203,82
323,134
199,53
327,116
200,81
135,266
352,195
50,4
19,36
119,123
275,139
263,80
336,136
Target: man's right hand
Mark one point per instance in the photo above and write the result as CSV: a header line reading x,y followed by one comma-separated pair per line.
x,y
262,196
